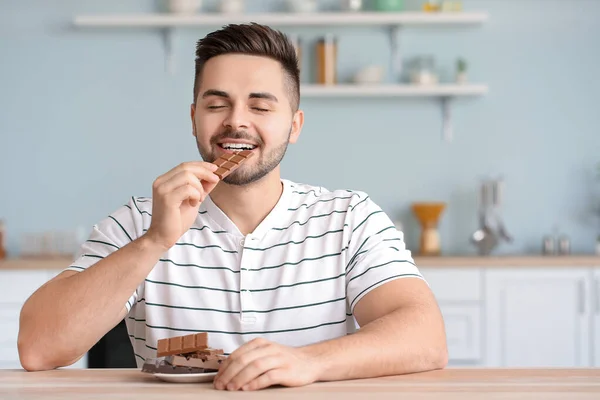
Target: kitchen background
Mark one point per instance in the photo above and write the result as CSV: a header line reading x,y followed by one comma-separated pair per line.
x,y
90,117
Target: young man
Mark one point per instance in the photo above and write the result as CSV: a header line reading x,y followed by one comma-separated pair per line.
x,y
278,273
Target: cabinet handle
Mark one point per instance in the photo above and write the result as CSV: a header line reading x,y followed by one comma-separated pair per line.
x,y
597,291
581,297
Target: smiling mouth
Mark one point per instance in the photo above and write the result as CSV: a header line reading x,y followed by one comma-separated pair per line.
x,y
236,146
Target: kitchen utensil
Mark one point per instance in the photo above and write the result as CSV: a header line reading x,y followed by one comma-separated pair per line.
x,y
491,229
428,215
497,190
485,240
548,245
564,245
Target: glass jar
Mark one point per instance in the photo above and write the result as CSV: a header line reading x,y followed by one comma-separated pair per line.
x,y
388,5
423,71
327,60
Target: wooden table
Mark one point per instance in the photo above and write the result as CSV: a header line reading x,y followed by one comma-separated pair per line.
x,y
451,383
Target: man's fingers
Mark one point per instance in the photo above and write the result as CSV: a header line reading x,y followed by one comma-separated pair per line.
x,y
246,347
189,178
269,378
208,186
186,192
236,362
201,169
181,179
255,369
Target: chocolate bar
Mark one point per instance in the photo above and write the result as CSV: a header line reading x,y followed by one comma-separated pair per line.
x,y
182,344
229,162
187,354
179,361
154,366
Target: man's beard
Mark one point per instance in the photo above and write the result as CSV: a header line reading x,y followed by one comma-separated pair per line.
x,y
246,175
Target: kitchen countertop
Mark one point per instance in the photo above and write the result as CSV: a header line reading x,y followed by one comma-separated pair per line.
x,y
33,263
59,263
509,261
455,384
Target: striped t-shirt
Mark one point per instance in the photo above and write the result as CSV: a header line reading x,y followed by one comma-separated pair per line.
x,y
295,280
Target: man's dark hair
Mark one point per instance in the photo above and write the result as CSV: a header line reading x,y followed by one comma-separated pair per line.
x,y
252,39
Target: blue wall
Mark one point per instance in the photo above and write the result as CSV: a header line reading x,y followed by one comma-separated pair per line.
x,y
89,118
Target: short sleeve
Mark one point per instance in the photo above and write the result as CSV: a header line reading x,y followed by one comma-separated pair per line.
x,y
376,250
109,235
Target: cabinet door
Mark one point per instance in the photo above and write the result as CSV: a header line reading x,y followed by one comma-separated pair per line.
x,y
459,294
15,287
463,333
9,329
539,317
596,307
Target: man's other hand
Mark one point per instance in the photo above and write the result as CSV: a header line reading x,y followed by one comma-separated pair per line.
x,y
260,363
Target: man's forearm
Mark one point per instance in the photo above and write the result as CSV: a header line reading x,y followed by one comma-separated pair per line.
x,y
64,318
404,341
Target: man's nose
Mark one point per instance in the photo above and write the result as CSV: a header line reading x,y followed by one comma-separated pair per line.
x,y
237,118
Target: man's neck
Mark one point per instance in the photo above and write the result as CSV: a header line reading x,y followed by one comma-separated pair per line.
x,y
247,206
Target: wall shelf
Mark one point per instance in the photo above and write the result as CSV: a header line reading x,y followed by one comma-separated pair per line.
x,y
393,22
391,90
281,19
444,92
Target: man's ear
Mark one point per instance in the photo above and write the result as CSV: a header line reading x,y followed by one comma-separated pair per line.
x,y
192,113
297,123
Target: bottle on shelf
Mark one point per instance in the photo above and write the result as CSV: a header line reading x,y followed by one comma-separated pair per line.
x,y
327,60
2,240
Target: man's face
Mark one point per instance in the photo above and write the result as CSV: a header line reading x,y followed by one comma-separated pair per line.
x,y
243,103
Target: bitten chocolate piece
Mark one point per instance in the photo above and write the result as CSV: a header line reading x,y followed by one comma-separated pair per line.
x,y
179,361
182,344
229,162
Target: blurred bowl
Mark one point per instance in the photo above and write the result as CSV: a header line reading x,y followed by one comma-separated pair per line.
x,y
184,6
302,6
231,6
369,75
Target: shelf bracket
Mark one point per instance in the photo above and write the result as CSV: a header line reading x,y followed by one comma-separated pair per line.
x,y
167,35
447,132
396,53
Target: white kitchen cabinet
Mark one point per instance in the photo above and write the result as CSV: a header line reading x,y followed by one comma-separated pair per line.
x,y
595,336
463,333
458,292
15,287
538,317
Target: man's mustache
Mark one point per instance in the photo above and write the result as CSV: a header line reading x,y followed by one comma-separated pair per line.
x,y
240,135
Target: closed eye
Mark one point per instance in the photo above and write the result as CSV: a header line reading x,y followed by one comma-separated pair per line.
x,y
215,107
260,109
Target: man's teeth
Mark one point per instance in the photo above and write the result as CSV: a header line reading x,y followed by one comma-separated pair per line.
x,y
237,146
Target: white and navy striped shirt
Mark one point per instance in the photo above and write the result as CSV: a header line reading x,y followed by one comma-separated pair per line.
x,y
295,280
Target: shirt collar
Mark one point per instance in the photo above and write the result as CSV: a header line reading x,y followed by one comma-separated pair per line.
x,y
274,218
